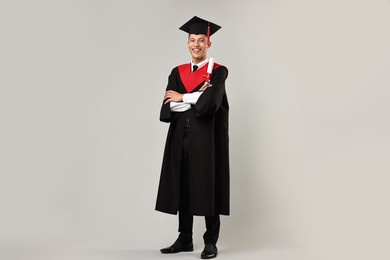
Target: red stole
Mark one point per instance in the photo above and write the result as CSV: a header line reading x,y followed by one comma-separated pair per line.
x,y
193,79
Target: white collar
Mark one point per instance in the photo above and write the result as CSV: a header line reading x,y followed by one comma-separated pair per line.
x,y
200,64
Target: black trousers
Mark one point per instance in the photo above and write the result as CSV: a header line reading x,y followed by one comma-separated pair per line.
x,y
185,218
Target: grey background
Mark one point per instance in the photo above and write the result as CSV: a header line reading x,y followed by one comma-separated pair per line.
x,y
81,145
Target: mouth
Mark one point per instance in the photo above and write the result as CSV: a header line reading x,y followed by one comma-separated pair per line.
x,y
196,50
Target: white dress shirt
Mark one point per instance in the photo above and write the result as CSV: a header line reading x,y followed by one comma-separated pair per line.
x,y
188,98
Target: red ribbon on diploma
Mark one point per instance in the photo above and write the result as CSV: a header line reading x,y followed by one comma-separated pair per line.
x,y
207,76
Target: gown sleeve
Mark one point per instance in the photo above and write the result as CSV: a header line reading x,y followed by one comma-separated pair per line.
x,y
165,113
211,99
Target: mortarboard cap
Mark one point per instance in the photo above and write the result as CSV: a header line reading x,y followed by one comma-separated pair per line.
x,y
200,26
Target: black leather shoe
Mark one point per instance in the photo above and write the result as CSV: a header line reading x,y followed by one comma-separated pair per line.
x,y
178,247
210,251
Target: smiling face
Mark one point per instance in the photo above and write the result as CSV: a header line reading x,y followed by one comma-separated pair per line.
x,y
197,45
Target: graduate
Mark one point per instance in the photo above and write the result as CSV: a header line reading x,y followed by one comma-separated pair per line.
x,y
194,177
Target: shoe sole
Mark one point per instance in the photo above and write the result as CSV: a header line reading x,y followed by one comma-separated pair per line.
x,y
184,250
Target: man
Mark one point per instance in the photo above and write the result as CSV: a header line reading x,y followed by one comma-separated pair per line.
x,y
195,171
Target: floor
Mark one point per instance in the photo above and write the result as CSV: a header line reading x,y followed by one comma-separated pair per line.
x,y
97,254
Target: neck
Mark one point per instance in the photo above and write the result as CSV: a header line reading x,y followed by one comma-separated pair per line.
x,y
196,61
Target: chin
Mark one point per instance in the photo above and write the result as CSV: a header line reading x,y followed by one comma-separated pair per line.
x,y
198,57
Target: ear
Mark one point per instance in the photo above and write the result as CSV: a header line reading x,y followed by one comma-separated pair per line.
x,y
209,44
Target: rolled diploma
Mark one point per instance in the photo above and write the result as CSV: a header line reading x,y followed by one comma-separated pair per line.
x,y
211,65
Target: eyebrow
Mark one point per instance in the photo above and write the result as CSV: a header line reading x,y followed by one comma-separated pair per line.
x,y
201,38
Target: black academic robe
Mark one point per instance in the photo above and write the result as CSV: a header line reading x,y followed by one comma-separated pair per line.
x,y
208,146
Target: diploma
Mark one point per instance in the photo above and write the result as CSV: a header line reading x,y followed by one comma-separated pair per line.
x,y
209,70
211,65
207,76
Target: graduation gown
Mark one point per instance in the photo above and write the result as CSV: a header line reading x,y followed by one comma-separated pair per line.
x,y
208,145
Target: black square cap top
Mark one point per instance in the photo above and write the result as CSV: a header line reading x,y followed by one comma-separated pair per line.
x,y
198,25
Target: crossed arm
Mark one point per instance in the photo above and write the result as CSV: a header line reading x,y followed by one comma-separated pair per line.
x,y
182,102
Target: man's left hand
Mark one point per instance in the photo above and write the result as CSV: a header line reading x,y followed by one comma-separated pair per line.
x,y
205,86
